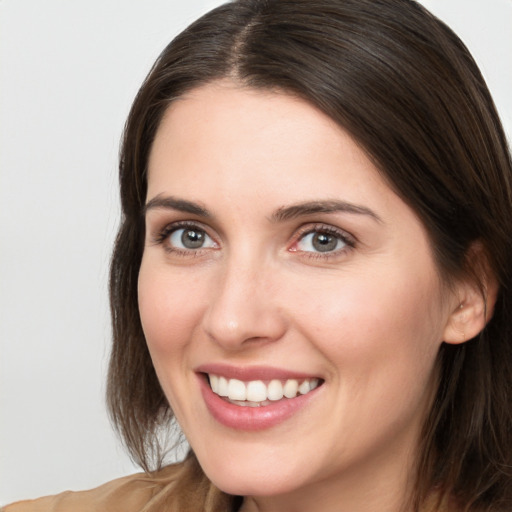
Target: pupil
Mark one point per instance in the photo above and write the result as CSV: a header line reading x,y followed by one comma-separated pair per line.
x,y
323,242
192,239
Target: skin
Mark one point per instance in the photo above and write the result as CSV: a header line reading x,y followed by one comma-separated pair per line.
x,y
367,317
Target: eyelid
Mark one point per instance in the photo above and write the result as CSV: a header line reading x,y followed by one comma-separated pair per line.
x,y
175,241
160,235
348,239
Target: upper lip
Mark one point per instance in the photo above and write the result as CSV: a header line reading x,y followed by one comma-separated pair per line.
x,y
248,373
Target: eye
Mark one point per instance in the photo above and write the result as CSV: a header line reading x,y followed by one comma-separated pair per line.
x,y
323,240
190,238
320,242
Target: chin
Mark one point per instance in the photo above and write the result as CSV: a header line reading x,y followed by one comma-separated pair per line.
x,y
251,485
259,476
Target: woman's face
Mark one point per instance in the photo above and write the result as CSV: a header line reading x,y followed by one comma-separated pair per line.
x,y
277,260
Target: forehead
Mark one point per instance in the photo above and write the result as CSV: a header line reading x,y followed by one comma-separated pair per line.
x,y
223,133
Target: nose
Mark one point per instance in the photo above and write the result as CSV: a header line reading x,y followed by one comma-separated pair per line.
x,y
242,307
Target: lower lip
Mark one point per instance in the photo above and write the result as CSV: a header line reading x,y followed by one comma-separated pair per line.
x,y
252,418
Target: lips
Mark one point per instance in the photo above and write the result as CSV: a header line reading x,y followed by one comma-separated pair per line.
x,y
255,398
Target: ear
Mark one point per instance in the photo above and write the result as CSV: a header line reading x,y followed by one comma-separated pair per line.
x,y
474,298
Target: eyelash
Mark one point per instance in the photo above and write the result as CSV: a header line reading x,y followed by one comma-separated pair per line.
x,y
343,236
162,237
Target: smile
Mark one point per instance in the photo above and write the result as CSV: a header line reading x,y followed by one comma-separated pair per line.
x,y
258,393
257,397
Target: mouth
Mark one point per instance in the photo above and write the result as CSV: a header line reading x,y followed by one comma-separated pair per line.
x,y
257,398
260,393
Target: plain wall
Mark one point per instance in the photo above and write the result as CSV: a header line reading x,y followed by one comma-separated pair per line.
x,y
68,73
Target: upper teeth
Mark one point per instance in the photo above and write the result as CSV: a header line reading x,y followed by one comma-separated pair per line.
x,y
258,391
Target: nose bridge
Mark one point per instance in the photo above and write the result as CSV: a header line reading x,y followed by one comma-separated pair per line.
x,y
241,307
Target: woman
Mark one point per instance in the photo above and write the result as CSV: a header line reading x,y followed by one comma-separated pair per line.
x,y
313,269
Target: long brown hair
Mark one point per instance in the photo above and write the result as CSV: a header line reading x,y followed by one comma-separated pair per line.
x,y
408,91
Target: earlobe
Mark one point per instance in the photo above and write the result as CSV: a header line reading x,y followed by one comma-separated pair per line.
x,y
476,300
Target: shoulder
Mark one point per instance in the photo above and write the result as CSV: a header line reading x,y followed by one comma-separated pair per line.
x,y
132,493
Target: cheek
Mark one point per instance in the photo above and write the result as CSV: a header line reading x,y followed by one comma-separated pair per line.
x,y
377,327
169,309
382,349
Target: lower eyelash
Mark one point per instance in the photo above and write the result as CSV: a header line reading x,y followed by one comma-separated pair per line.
x,y
348,240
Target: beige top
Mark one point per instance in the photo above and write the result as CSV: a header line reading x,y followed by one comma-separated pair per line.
x,y
180,487
156,492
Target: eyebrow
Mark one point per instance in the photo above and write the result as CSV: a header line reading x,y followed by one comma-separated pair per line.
x,y
282,214
173,203
328,206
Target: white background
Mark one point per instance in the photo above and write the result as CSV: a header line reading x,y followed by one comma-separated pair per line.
x,y
69,70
